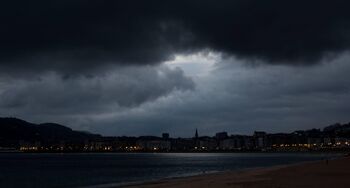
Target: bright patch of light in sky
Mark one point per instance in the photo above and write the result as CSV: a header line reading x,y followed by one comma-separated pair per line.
x,y
195,65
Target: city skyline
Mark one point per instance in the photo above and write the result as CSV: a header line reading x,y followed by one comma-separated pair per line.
x,y
52,137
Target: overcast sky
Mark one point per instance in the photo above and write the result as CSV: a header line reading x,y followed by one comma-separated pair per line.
x,y
147,67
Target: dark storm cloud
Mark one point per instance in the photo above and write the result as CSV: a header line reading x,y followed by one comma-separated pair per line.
x,y
97,64
238,99
122,88
75,35
148,100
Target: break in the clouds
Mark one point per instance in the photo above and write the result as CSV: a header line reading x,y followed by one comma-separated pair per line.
x,y
79,35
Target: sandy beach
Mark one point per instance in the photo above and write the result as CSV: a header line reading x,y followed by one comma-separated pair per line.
x,y
335,174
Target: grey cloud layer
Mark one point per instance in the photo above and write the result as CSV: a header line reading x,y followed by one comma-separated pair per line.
x,y
143,100
126,87
77,35
242,99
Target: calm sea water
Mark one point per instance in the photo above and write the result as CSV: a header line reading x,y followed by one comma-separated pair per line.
x,y
84,170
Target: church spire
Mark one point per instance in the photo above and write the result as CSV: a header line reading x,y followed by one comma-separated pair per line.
x,y
196,135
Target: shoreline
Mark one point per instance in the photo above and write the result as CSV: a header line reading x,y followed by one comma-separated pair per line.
x,y
345,152
335,172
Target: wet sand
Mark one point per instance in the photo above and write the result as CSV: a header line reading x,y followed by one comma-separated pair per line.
x,y
335,174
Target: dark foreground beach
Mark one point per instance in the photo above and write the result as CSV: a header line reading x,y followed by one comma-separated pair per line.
x,y
334,174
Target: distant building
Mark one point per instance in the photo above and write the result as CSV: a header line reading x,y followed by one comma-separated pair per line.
x,y
29,146
182,144
247,142
154,145
207,144
341,142
232,143
165,135
227,144
221,135
196,140
314,142
327,141
260,139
